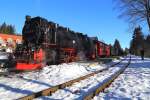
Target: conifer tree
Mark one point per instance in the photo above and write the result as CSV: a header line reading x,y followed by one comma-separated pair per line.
x,y
117,48
7,29
137,42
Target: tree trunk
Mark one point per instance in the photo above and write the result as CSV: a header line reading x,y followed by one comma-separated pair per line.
x,y
148,22
148,12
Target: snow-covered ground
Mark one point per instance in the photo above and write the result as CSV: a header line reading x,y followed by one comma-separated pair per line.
x,y
133,84
16,86
78,90
3,55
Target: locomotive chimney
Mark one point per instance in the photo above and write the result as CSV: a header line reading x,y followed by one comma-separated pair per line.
x,y
28,18
68,29
57,25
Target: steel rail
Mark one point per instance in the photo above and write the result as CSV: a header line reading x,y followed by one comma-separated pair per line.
x,y
106,84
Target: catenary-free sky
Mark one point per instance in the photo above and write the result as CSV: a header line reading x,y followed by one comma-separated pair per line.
x,y
92,17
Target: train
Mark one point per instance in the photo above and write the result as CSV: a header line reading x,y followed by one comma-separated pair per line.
x,y
45,43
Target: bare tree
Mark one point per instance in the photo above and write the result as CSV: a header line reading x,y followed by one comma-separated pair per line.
x,y
134,11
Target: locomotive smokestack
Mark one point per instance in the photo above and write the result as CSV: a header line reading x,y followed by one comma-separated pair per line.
x,y
57,25
28,18
68,29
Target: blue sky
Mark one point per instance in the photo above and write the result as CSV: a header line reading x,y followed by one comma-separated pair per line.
x,y
92,17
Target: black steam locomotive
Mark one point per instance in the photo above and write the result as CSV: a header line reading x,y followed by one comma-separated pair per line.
x,y
49,43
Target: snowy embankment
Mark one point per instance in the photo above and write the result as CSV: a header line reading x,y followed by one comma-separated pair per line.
x,y
78,90
134,83
16,86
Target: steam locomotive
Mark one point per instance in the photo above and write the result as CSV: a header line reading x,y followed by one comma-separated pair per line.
x,y
46,43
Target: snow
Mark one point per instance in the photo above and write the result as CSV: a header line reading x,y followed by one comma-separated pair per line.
x,y
3,60
78,90
9,50
134,83
3,55
29,82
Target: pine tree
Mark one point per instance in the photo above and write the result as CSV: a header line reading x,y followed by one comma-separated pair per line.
x,y
7,29
11,29
137,42
3,28
148,39
117,48
147,46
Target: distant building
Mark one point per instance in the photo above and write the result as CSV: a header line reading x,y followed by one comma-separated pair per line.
x,y
9,41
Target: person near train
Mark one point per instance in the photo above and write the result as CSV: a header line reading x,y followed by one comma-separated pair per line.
x,y
142,54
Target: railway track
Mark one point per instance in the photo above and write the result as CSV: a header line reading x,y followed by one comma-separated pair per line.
x,y
106,84
53,89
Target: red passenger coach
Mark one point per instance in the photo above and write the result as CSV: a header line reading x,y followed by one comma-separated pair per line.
x,y
103,49
100,49
107,50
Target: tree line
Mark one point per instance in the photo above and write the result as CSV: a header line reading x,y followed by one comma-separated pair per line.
x,y
7,29
136,12
139,42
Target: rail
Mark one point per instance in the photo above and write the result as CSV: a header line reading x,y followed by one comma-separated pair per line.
x,y
106,84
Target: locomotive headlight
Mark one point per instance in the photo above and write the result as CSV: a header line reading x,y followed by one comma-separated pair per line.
x,y
73,41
